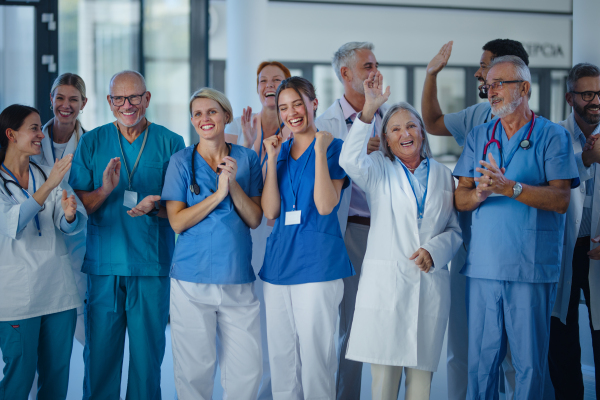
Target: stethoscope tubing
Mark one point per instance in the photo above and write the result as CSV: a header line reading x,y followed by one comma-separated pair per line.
x,y
524,144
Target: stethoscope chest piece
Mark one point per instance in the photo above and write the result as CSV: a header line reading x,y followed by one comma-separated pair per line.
x,y
194,188
525,144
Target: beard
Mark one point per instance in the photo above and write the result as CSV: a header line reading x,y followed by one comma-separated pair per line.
x,y
590,119
357,85
482,94
507,109
137,121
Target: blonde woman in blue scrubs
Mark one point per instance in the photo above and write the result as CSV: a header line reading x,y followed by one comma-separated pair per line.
x,y
213,190
305,259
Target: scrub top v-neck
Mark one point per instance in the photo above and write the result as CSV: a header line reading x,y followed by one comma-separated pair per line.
x,y
313,250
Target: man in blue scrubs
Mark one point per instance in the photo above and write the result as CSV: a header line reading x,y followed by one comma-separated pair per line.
x,y
118,173
458,125
518,196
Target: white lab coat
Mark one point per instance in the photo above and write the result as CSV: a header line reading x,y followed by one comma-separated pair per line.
x,y
573,221
333,121
75,243
36,271
401,312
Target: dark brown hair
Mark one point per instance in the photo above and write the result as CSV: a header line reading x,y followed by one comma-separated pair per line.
x,y
301,86
12,117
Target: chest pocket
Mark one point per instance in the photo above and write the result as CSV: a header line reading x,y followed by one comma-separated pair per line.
x,y
149,177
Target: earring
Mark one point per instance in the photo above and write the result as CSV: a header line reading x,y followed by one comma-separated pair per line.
x,y
80,111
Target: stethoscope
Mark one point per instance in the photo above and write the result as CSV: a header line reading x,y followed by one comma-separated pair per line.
x,y
525,143
194,187
25,192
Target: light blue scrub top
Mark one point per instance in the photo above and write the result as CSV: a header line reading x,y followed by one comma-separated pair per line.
x,y
510,240
118,244
314,250
218,249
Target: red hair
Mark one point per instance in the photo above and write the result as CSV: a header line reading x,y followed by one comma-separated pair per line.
x,y
262,65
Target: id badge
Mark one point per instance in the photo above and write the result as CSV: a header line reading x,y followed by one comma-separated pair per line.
x,y
130,199
292,217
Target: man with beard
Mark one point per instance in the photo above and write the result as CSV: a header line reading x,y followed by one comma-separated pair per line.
x,y
459,124
515,173
352,63
581,266
118,173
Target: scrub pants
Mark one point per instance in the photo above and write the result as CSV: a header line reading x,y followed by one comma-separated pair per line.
x,y
458,337
386,382
301,322
349,374
564,357
515,311
41,343
139,304
206,318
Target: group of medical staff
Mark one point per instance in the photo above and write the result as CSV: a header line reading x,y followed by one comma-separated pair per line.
x,y
347,220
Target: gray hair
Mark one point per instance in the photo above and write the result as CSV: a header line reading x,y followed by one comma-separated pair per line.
x,y
127,72
581,70
402,106
521,69
345,56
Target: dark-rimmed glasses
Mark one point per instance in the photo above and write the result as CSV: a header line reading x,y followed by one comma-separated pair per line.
x,y
134,99
497,85
588,95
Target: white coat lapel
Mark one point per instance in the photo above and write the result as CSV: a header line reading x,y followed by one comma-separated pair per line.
x,y
46,144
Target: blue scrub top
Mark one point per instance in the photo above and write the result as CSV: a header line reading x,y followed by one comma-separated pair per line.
x,y
218,249
118,244
314,250
510,240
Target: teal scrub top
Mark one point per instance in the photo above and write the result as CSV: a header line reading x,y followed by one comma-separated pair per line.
x,y
217,249
118,244
314,250
510,240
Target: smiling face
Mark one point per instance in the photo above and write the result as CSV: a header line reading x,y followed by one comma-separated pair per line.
x,y
365,64
404,135
481,74
268,80
28,138
505,100
67,103
588,111
209,118
129,115
296,112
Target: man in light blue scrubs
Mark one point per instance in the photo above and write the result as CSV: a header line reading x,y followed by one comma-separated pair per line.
x,y
518,196
118,173
458,125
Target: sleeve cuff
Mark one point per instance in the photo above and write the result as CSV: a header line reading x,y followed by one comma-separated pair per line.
x,y
68,227
29,209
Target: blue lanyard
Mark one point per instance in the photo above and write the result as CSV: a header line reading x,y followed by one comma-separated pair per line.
x,y
421,206
37,220
262,138
310,149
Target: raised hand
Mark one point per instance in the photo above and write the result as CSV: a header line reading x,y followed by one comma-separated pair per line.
x,y
60,169
111,175
440,60
422,259
249,127
144,206
273,146
69,206
375,97
323,141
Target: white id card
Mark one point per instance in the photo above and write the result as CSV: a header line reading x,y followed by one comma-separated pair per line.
x,y
292,217
130,199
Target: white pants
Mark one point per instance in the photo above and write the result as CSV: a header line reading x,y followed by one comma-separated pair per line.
x,y
386,382
301,322
206,318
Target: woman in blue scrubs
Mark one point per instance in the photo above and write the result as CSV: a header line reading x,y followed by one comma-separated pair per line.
x,y
305,259
212,191
38,295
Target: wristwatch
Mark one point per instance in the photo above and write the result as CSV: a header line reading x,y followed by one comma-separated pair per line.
x,y
517,189
154,212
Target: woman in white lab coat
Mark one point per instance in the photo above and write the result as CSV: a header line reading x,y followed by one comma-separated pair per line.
x,y
403,297
38,295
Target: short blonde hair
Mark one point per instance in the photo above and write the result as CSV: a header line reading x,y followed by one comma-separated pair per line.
x,y
209,93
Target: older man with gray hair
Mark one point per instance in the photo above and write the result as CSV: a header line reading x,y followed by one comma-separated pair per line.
x,y
515,174
352,63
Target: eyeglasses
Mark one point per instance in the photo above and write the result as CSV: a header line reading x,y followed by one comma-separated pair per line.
x,y
134,99
497,85
588,95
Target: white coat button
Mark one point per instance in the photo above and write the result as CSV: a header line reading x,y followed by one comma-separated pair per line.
x,y
576,221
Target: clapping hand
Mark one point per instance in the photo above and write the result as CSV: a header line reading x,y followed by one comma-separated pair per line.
x,y
249,127
69,206
144,206
375,97
440,60
59,170
229,165
492,180
111,175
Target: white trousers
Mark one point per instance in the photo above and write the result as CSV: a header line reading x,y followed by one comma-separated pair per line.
x,y
386,382
206,319
301,322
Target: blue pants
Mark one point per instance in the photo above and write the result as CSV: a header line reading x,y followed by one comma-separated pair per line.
x,y
44,343
139,304
519,312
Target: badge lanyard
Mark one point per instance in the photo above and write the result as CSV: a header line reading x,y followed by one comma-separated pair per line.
x,y
421,206
130,197
525,143
262,138
37,220
295,193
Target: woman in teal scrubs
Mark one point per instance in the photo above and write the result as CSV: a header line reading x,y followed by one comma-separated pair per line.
x,y
305,259
213,190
